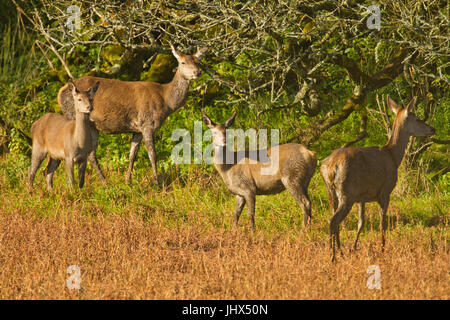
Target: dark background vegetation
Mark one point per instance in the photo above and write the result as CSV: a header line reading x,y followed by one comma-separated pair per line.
x,y
309,68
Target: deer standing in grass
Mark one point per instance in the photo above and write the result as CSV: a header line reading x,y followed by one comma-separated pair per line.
x,y
63,139
136,107
292,166
368,174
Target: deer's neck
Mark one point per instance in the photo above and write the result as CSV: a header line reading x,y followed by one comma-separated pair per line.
x,y
397,144
82,130
176,91
221,156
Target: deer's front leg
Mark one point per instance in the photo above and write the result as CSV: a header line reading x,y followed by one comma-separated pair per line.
x,y
135,142
69,171
92,157
250,200
149,140
240,203
81,172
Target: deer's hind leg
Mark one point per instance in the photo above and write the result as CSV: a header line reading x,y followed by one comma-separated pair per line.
x,y
301,195
341,212
38,155
360,223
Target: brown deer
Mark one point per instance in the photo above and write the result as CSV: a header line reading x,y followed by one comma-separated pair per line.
x,y
136,107
368,174
63,139
292,166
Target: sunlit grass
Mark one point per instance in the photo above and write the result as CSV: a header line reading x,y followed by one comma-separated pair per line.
x,y
176,241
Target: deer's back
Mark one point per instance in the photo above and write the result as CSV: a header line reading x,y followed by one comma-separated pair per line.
x,y
290,161
361,174
119,106
296,159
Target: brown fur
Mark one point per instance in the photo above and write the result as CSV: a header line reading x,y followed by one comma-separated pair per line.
x,y
135,107
63,139
360,175
296,166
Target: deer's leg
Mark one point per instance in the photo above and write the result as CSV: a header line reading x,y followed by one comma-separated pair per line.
x,y
301,195
250,200
384,204
36,159
50,170
340,214
69,171
306,207
92,157
149,140
81,171
240,203
332,199
360,222
135,143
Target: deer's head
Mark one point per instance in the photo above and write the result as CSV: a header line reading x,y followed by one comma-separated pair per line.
x,y
82,99
218,131
188,65
406,120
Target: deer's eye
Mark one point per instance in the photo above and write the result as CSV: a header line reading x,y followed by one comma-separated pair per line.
x,y
79,99
183,63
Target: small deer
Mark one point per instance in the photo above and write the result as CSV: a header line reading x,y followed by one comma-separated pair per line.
x,y
294,166
136,107
368,174
63,139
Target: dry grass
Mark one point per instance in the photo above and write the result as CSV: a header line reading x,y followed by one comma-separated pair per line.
x,y
141,242
125,257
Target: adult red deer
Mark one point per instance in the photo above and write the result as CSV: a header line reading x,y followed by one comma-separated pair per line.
x,y
136,107
360,175
290,165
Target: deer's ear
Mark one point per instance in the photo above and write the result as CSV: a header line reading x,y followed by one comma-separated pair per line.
x,y
200,52
94,89
230,121
392,105
411,104
209,123
72,87
175,53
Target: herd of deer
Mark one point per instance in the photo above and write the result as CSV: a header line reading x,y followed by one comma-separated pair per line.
x,y
90,104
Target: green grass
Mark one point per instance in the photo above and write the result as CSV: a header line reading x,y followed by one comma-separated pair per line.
x,y
199,198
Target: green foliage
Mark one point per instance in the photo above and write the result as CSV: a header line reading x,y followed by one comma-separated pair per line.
x,y
31,75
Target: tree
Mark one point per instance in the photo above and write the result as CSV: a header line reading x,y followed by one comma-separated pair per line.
x,y
318,58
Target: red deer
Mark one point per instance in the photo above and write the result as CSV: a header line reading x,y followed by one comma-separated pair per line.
x,y
136,107
294,167
63,139
368,174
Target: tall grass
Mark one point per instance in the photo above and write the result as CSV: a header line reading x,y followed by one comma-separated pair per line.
x,y
176,242
17,54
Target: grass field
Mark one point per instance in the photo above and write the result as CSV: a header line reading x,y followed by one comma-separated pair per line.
x,y
140,241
